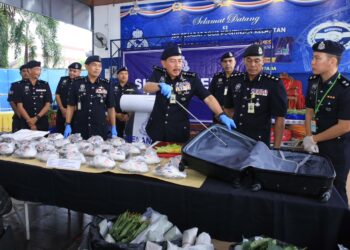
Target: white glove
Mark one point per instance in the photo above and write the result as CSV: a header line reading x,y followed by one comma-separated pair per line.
x,y
310,145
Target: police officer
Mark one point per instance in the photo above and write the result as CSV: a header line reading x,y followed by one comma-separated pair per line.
x,y
89,100
16,118
254,98
33,99
62,93
122,87
219,84
327,119
168,121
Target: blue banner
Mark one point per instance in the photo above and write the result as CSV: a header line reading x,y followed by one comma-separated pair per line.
x,y
287,29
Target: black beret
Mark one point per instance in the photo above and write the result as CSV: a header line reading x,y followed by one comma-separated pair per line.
x,y
75,65
122,69
91,59
329,47
33,64
254,50
171,51
227,55
24,66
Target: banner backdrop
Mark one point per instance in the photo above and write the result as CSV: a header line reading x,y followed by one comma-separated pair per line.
x,y
294,25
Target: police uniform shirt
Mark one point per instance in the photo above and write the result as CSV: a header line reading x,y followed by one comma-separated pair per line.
x,y
118,90
336,105
92,101
169,122
269,99
63,89
12,91
34,98
218,85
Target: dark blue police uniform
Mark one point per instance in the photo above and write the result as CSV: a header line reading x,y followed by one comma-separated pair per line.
x,y
92,100
335,105
63,88
269,99
218,86
16,121
118,90
169,122
34,98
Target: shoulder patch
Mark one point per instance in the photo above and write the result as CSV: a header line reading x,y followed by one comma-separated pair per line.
x,y
190,74
159,68
344,81
43,82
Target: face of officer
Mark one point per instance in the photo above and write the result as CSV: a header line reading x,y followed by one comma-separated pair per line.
x,y
94,69
322,63
34,73
74,73
173,66
24,74
254,64
123,77
228,64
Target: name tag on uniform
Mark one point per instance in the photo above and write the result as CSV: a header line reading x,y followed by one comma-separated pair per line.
x,y
41,90
172,99
225,91
251,108
313,126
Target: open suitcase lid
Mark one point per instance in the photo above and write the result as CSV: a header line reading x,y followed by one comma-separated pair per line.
x,y
241,152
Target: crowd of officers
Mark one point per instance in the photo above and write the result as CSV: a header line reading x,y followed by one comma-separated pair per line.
x,y
245,101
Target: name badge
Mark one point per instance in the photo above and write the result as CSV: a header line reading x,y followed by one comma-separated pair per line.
x,y
251,108
173,99
313,126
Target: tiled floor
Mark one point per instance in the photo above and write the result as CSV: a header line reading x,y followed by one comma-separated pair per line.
x,y
53,228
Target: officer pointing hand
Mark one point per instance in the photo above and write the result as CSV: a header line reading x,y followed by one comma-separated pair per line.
x,y
165,89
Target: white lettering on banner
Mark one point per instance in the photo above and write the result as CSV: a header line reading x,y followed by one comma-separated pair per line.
x,y
280,30
205,82
235,18
205,20
143,139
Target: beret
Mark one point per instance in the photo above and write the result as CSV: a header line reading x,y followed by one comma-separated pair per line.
x,y
171,51
329,47
254,50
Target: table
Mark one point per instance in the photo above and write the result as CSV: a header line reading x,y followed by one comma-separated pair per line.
x,y
217,208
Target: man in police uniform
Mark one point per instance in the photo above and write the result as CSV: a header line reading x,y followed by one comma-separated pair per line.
x,y
33,98
254,98
122,87
89,100
16,118
168,121
62,93
327,119
219,84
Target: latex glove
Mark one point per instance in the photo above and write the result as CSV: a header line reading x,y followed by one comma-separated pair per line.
x,y
228,122
310,145
67,131
165,89
114,132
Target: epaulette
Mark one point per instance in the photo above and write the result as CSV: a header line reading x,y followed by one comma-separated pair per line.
x,y
344,81
43,82
217,74
313,77
268,76
190,74
159,68
238,74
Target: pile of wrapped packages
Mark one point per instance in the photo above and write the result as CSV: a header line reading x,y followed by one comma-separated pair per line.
x,y
94,152
150,231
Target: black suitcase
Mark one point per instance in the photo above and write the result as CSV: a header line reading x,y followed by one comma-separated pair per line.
x,y
299,173
208,154
313,176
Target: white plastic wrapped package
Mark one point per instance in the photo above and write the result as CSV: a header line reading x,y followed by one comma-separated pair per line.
x,y
171,169
189,237
140,145
45,146
116,154
61,142
96,139
106,147
102,161
46,155
82,144
55,136
26,151
116,142
151,156
74,156
7,148
69,148
134,166
91,149
75,138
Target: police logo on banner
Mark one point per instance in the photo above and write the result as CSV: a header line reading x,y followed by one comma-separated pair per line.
x,y
332,30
